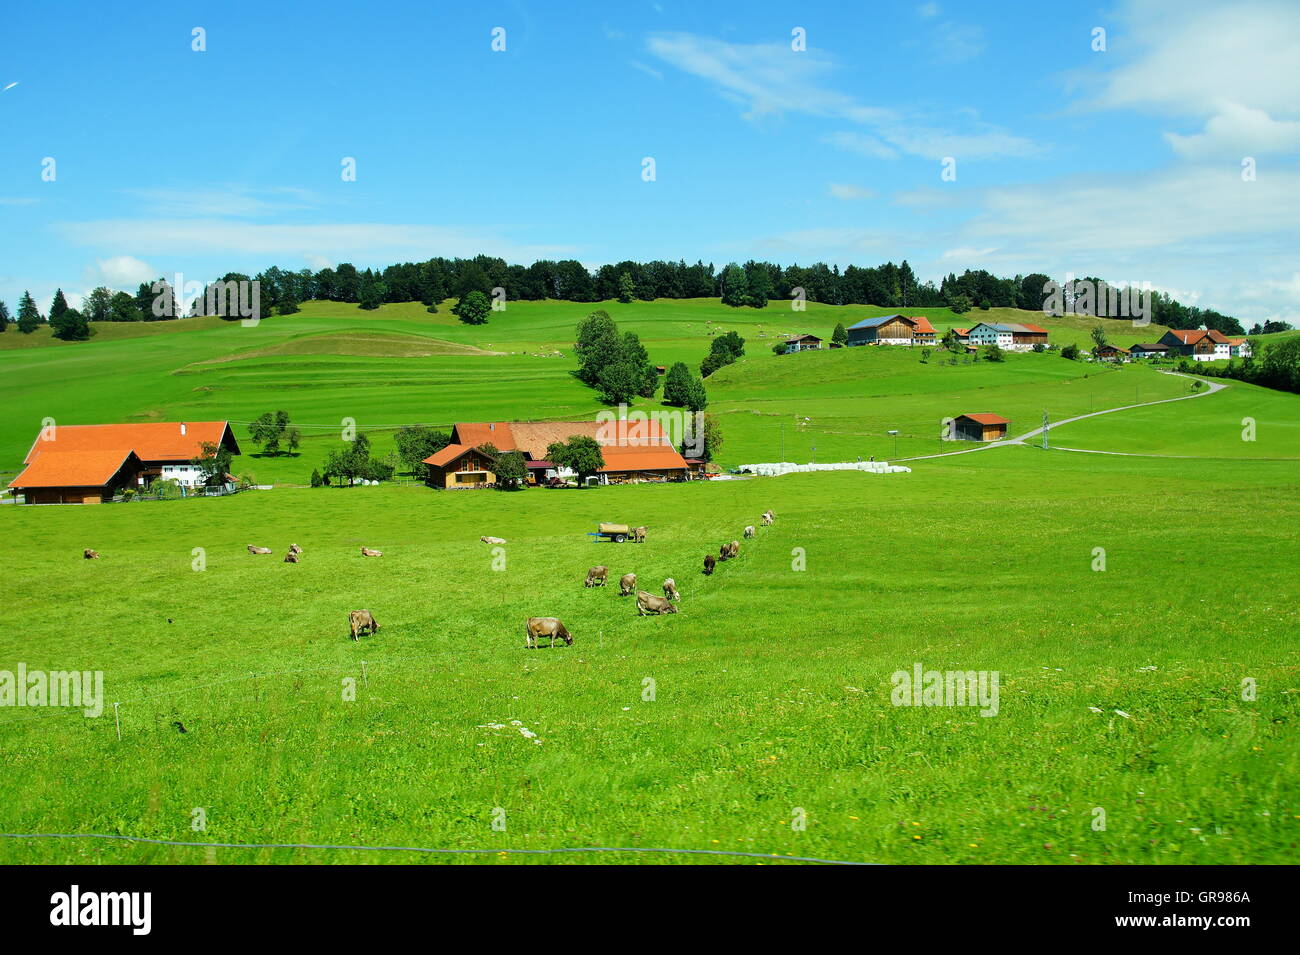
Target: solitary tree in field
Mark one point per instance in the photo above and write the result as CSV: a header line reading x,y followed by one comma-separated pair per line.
x,y
70,326
840,336
271,429
29,319
473,308
581,455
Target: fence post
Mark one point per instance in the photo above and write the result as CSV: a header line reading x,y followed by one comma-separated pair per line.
x,y
365,681
118,721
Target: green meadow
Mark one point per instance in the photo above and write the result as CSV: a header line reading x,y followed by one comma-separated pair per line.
x,y
1138,609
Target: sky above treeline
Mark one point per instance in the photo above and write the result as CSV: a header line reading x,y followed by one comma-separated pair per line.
x,y
1137,141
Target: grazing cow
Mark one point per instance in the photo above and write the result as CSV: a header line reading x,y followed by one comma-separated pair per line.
x,y
627,585
750,531
89,554
360,621
709,562
291,558
728,551
258,550
596,576
368,552
670,589
295,549
638,535
545,627
651,604
493,540
768,517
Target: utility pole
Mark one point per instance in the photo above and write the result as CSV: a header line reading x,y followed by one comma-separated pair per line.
x,y
1045,426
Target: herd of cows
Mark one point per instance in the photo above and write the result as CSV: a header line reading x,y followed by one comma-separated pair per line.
x,y
362,621
646,603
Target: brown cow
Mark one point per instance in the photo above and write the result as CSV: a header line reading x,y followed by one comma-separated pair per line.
x,y
638,535
596,576
360,621
768,517
545,627
367,552
295,549
89,554
750,531
709,562
670,589
627,585
728,551
258,550
651,604
291,558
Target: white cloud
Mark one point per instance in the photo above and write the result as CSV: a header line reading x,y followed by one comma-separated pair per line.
x,y
958,41
362,242
841,190
768,80
1233,67
862,144
968,254
122,270
928,11
1238,131
227,200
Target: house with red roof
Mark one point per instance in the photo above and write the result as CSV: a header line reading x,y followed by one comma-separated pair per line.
x,y
1198,344
634,450
89,463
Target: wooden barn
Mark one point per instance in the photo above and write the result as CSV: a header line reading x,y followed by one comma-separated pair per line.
x,y
980,427
892,330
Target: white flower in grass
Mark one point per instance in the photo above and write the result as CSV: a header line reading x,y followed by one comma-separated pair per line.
x,y
1123,714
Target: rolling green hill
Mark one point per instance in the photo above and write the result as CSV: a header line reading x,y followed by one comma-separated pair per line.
x,y
400,364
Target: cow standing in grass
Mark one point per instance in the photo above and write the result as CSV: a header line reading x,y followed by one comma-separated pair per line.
x,y
627,585
596,576
638,535
653,604
750,531
295,549
670,589
768,517
359,621
291,558
545,627
709,562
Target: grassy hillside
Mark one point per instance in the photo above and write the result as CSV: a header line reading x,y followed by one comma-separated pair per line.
x,y
771,687
1121,683
400,365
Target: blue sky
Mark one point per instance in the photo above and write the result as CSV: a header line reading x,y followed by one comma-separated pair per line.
x,y
1124,163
